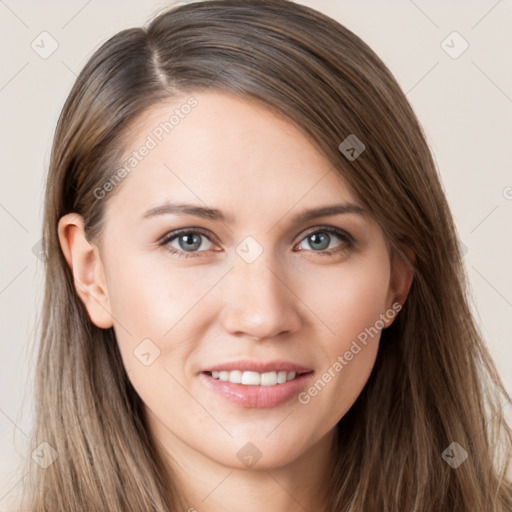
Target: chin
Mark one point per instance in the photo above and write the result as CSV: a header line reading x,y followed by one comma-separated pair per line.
x,y
261,453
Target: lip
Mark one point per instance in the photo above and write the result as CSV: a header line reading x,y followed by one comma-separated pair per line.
x,y
247,365
257,397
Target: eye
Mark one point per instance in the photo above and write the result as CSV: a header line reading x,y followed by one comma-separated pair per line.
x,y
188,242
320,240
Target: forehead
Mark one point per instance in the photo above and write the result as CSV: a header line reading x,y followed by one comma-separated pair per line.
x,y
214,147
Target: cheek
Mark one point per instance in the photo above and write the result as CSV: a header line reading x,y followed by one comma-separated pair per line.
x,y
352,298
149,300
351,306
147,307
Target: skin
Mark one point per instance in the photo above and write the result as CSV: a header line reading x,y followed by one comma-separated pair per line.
x,y
292,303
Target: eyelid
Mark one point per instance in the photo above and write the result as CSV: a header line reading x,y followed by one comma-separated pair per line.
x,y
172,235
330,229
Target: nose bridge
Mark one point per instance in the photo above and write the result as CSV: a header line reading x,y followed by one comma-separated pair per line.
x,y
257,302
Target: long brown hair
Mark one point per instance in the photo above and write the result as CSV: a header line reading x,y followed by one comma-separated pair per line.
x,y
433,383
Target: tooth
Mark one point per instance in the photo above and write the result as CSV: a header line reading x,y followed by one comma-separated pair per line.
x,y
251,378
235,377
269,379
254,378
281,377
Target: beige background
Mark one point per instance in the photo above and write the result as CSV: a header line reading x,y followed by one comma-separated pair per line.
x,y
464,104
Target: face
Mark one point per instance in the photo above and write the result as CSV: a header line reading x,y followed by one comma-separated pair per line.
x,y
246,318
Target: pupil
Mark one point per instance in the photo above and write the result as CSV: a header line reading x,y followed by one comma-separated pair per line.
x,y
192,241
316,238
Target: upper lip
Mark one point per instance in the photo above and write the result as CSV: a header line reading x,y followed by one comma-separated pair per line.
x,y
247,365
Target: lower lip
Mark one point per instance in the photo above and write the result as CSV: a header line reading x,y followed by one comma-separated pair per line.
x,y
258,397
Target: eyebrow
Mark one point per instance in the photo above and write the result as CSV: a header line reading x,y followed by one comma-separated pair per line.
x,y
214,214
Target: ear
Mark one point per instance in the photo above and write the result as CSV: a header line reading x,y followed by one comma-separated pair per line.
x,y
402,274
83,259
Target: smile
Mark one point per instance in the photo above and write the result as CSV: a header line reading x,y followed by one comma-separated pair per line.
x,y
254,378
253,389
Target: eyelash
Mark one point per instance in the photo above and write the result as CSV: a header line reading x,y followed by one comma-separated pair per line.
x,y
348,240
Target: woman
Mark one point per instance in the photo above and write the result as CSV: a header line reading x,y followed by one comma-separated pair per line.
x,y
255,296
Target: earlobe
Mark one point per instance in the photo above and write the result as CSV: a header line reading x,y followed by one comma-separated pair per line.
x,y
84,261
402,275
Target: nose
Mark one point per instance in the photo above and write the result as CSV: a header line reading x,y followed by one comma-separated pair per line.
x,y
259,303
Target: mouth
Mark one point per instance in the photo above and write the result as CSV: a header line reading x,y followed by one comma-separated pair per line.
x,y
242,384
250,378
